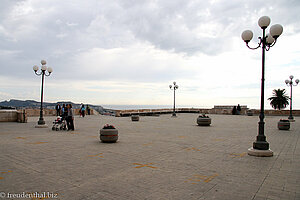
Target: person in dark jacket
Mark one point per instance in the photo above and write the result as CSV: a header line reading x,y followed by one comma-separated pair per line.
x,y
58,109
234,110
238,109
70,117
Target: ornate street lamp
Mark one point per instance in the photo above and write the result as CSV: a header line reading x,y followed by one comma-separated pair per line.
x,y
261,146
44,68
174,87
291,84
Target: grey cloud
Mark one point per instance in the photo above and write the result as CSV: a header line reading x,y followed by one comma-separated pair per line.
x,y
60,30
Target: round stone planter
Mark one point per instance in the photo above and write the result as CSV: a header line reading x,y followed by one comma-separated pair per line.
x,y
250,113
135,118
109,135
203,121
283,124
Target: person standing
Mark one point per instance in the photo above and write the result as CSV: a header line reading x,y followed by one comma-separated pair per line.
x,y
234,110
82,110
64,111
238,109
70,117
80,114
88,109
58,109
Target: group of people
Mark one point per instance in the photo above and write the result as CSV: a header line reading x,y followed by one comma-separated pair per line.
x,y
236,110
66,112
82,110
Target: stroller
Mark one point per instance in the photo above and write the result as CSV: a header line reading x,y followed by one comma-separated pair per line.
x,y
59,124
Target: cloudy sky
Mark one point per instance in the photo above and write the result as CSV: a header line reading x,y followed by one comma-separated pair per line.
x,y
129,51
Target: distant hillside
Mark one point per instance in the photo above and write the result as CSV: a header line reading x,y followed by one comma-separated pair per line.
x,y
19,104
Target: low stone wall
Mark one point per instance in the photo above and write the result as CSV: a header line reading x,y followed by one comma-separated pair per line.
x,y
221,110
13,116
50,112
278,112
227,109
36,112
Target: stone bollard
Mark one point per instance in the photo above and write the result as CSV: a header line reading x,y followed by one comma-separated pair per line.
x,y
249,112
203,120
135,118
283,124
109,134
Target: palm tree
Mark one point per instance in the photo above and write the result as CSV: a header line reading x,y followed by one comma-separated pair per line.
x,y
279,99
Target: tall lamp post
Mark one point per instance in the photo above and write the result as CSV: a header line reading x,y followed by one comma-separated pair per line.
x,y
174,87
44,68
291,84
261,146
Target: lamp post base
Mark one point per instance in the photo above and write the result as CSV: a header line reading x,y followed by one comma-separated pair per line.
x,y
291,119
41,123
174,115
41,126
261,144
260,153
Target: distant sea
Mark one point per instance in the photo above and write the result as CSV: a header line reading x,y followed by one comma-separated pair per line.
x,y
131,107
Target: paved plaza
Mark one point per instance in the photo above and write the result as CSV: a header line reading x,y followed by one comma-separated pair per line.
x,y
155,158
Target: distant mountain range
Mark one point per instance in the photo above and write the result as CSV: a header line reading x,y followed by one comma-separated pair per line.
x,y
19,104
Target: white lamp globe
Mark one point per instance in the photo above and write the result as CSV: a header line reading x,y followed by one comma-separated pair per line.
x,y
291,76
174,83
43,62
247,36
270,39
44,68
297,81
287,81
50,69
35,68
170,86
276,30
264,22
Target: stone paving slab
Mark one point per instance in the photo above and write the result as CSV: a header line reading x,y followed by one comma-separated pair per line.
x,y
155,158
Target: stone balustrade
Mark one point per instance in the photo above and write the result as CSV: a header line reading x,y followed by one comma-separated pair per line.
x,y
224,110
13,116
21,115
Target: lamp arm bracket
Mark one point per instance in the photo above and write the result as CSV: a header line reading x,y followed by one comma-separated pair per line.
x,y
271,45
259,44
38,73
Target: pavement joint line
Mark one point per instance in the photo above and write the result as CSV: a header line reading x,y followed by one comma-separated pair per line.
x,y
144,165
74,133
24,138
200,178
238,154
219,140
37,142
147,144
97,155
8,171
192,148
5,172
91,136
